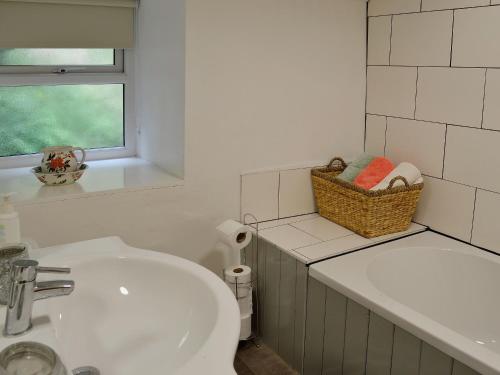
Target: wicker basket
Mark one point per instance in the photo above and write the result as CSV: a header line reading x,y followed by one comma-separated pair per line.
x,y
368,213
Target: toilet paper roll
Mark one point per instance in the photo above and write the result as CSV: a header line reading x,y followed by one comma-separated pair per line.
x,y
245,304
246,327
236,235
238,279
238,274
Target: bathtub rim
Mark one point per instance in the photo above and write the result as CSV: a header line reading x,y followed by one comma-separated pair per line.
x,y
347,274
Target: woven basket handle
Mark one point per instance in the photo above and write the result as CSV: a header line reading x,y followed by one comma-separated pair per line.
x,y
337,159
398,178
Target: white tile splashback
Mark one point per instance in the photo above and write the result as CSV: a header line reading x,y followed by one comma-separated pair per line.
x,y
453,96
379,40
461,95
422,39
391,91
491,114
447,207
296,195
473,157
419,142
486,231
475,37
379,7
451,4
376,127
259,195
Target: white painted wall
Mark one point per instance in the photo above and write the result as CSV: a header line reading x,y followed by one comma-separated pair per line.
x,y
268,83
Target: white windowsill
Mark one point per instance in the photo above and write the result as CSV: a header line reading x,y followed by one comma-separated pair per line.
x,y
103,176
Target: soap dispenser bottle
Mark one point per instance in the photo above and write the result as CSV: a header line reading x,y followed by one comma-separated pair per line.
x,y
10,232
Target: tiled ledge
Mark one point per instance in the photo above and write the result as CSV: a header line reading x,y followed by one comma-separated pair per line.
x,y
102,177
311,238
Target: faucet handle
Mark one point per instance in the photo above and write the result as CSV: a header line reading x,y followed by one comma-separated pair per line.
x,y
25,270
53,270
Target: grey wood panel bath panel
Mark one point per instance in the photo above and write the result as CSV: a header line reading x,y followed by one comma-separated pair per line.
x,y
286,339
300,316
335,315
434,362
315,328
406,353
271,297
261,285
461,369
356,339
380,340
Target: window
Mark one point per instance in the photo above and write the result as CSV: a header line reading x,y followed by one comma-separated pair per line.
x,y
50,97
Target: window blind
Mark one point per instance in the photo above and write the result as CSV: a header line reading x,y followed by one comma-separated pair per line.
x,y
67,23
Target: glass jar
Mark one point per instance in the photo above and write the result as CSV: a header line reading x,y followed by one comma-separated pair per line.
x,y
30,358
9,254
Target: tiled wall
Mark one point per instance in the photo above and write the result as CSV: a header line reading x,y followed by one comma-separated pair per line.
x,y
277,194
433,98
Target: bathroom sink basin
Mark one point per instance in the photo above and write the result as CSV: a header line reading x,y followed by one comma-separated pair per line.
x,y
135,312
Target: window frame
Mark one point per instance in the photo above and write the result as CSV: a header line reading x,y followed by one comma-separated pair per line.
x,y
120,73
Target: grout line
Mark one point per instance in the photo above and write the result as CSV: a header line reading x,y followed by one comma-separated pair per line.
x,y
324,328
434,66
366,72
421,1
452,37
444,151
390,41
436,122
473,216
416,95
392,347
368,338
484,97
435,10
385,136
279,193
461,184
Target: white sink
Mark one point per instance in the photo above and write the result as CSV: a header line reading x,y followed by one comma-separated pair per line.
x,y
135,312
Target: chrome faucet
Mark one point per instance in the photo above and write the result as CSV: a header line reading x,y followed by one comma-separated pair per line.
x,y
24,290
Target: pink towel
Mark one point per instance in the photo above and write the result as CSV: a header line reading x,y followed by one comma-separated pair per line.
x,y
374,173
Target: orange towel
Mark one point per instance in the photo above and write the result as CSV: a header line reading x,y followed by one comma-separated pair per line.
x,y
374,173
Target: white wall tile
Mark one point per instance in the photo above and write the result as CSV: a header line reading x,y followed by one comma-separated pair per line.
x,y
296,196
475,37
472,157
322,228
391,91
379,7
375,134
417,142
259,195
493,2
452,4
422,39
450,95
379,40
486,231
446,207
491,116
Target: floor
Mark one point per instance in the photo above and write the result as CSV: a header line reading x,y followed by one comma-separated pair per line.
x,y
258,359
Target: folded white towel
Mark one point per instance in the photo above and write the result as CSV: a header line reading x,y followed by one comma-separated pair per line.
x,y
406,170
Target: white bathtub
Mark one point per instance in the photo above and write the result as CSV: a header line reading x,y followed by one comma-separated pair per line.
x,y
443,291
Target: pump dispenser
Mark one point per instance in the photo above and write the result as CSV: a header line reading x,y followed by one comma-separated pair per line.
x,y
10,232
